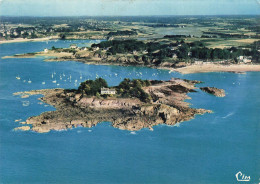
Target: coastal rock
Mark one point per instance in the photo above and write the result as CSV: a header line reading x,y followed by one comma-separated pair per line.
x,y
167,106
214,91
237,72
23,128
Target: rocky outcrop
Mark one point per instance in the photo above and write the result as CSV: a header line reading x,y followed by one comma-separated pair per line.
x,y
214,91
22,128
167,106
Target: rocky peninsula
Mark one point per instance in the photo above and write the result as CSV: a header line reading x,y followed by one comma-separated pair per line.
x,y
157,53
156,102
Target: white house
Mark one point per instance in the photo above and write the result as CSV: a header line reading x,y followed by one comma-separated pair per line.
x,y
73,46
174,56
145,52
15,33
135,52
245,59
46,50
108,91
241,57
96,48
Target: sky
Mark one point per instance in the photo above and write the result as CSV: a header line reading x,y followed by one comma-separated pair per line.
x,y
128,7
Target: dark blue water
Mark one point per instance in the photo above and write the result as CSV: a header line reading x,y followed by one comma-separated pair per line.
x,y
208,149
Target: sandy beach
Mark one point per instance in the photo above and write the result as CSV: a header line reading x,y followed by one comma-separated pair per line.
x,y
218,68
27,40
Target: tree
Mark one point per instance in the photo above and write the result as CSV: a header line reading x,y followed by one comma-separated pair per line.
x,y
137,83
62,36
98,95
25,35
145,97
33,35
183,51
91,87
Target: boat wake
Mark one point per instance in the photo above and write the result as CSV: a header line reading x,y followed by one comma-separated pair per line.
x,y
228,115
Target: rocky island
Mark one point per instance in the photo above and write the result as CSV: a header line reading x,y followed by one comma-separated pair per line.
x,y
214,91
137,104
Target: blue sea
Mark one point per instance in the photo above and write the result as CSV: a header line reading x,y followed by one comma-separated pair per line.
x,y
211,148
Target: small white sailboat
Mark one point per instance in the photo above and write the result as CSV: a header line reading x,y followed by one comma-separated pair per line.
x,y
43,82
52,75
26,103
80,76
17,77
58,84
54,81
29,81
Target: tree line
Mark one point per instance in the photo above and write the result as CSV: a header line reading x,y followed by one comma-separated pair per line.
x,y
183,51
126,89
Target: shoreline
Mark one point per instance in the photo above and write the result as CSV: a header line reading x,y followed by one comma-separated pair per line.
x,y
206,68
188,69
166,106
18,40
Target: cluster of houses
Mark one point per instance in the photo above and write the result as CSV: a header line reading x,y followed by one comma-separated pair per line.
x,y
240,59
74,46
6,31
200,62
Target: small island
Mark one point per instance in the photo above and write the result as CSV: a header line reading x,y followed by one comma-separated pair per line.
x,y
214,91
132,105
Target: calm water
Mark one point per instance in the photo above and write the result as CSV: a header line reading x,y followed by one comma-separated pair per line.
x,y
209,149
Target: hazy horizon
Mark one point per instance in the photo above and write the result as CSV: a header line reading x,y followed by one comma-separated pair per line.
x,y
129,15
60,8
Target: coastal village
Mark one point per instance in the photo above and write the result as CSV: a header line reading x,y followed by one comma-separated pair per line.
x,y
140,43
